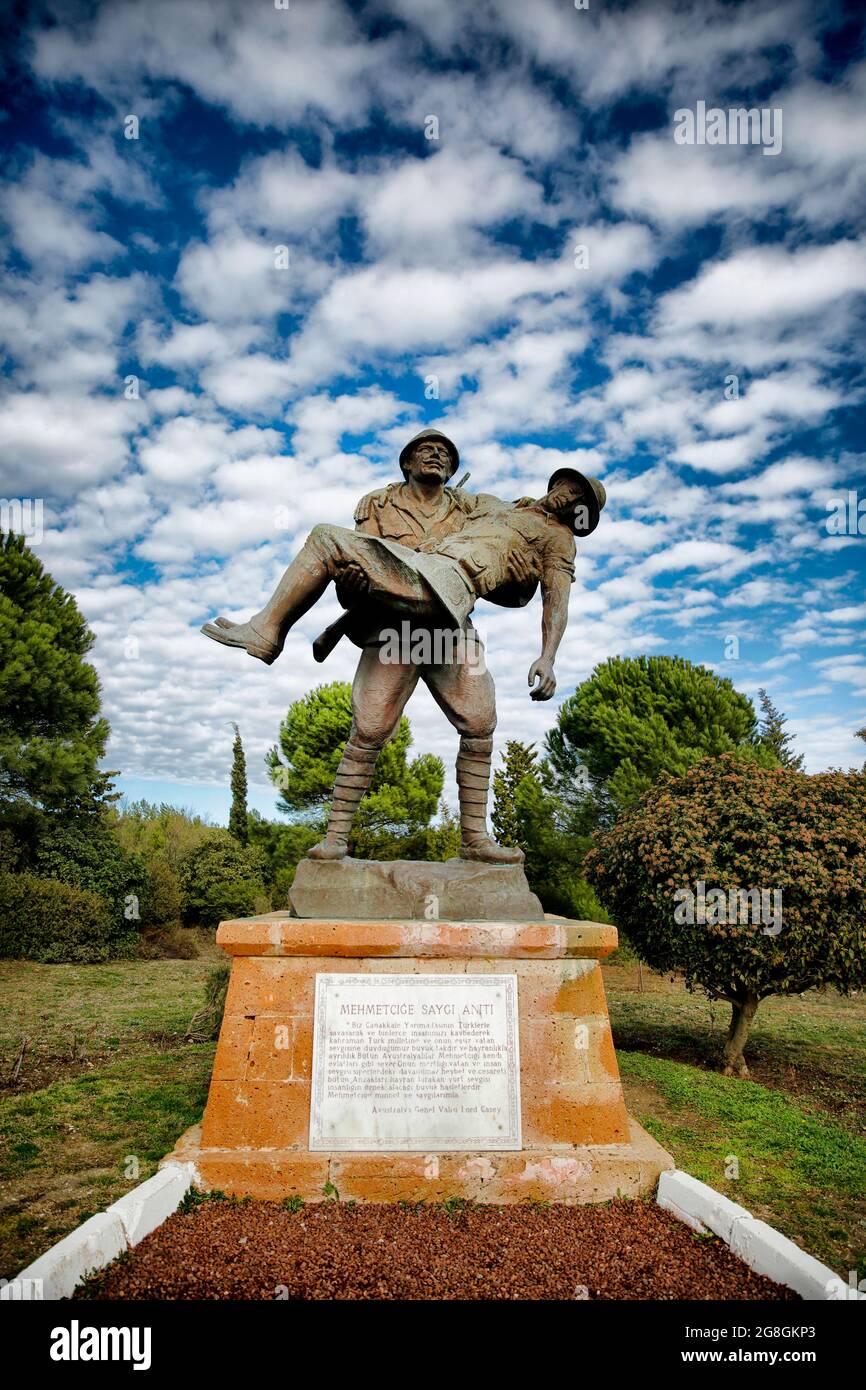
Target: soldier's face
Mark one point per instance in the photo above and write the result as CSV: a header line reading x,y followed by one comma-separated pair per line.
x,y
429,459
562,498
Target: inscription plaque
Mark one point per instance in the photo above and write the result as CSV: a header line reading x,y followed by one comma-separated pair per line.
x,y
415,1062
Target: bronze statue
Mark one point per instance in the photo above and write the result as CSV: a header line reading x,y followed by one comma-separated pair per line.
x,y
427,552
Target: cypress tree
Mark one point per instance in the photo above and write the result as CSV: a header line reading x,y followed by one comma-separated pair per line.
x,y
238,812
518,761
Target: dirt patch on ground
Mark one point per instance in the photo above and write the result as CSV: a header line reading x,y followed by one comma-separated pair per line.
x,y
40,1066
259,1250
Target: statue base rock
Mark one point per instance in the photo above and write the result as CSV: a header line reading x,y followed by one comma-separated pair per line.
x,y
459,890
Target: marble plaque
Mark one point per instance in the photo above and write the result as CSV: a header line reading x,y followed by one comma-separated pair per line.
x,y
415,1062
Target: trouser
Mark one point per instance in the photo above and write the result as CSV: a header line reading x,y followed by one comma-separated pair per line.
x,y
424,585
463,690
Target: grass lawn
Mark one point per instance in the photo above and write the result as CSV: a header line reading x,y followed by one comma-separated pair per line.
x,y
794,1135
106,1084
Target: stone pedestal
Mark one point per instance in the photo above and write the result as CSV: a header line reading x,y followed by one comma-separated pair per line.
x,y
457,890
578,1143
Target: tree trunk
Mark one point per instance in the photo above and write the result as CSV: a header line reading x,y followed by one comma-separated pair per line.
x,y
742,1013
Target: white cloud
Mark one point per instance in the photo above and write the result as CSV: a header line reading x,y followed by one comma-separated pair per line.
x,y
688,184
55,445
236,278
266,66
431,206
766,282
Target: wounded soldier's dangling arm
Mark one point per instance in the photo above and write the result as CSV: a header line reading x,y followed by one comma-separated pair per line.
x,y
555,588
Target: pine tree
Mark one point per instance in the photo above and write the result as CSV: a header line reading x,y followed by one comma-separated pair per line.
x,y
403,795
51,732
772,734
518,761
238,813
635,717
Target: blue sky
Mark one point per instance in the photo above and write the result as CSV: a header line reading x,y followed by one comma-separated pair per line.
x,y
270,398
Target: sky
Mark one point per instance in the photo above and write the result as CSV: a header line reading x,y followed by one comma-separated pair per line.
x,y
250,250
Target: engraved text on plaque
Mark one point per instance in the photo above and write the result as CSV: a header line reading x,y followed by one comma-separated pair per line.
x,y
415,1062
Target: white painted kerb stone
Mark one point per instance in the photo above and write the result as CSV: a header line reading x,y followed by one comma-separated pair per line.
x,y
767,1251
700,1206
758,1245
100,1240
92,1246
148,1205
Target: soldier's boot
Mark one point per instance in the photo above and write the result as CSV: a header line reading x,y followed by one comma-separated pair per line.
x,y
302,585
353,779
473,783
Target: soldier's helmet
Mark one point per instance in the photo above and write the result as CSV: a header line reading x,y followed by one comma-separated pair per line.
x,y
431,434
589,504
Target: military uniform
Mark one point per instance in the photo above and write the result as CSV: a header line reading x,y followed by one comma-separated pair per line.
x,y
482,550
459,552
393,512
463,690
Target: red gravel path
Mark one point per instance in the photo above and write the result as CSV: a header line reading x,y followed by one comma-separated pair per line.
x,y
258,1250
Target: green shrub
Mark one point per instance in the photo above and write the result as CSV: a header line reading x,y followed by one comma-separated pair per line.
x,y
283,847
161,897
83,852
220,879
528,814
158,832
737,828
168,941
45,920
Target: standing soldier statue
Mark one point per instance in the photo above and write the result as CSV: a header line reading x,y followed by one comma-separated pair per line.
x,y
421,555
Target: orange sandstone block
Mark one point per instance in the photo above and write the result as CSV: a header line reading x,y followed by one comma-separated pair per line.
x,y
590,940
236,1035
394,1177
582,994
279,986
270,1055
357,938
413,965
564,1049
302,1050
574,1115
565,987
257,1115
268,1177
280,935
261,986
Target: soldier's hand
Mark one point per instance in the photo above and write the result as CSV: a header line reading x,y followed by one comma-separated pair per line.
x,y
352,584
522,566
542,671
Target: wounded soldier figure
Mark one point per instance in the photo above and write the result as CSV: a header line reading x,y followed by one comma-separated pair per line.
x,y
440,582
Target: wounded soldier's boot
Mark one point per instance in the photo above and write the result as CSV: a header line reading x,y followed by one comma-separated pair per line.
x,y
473,782
353,779
302,585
